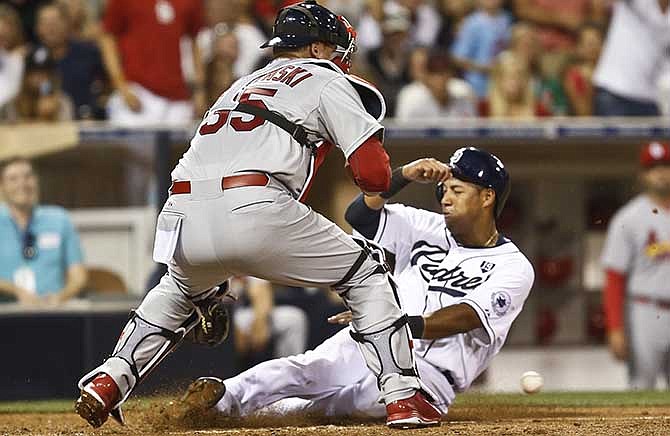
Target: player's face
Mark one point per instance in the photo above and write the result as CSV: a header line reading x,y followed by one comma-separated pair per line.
x,y
657,180
19,185
463,203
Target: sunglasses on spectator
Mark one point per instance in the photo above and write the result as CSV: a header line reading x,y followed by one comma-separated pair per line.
x,y
29,248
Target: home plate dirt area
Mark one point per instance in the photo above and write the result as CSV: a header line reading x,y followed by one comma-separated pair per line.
x,y
639,413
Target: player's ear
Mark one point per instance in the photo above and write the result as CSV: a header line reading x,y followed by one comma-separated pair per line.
x,y
488,197
315,49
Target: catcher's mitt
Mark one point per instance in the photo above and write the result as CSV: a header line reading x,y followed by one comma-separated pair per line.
x,y
214,324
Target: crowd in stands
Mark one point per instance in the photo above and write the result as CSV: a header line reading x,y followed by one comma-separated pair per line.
x,y
144,62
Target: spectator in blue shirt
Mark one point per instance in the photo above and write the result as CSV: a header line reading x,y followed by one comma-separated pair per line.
x,y
484,34
40,255
78,62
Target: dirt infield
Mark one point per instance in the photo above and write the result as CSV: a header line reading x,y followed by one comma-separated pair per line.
x,y
467,419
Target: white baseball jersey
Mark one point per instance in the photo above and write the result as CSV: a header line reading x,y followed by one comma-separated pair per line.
x,y
334,107
433,272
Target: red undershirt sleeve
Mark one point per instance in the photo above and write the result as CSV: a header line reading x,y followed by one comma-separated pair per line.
x,y
370,166
613,299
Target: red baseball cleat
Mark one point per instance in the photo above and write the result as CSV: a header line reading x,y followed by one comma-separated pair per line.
x,y
97,399
413,412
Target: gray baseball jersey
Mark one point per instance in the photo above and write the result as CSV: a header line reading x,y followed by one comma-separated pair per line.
x,y
638,245
312,93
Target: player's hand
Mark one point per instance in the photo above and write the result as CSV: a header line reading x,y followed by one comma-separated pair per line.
x,y
342,318
618,346
131,100
259,336
426,170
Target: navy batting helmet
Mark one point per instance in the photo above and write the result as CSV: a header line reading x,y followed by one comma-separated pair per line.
x,y
482,168
307,22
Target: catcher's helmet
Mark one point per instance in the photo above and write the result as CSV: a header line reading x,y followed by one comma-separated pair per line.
x,y
482,168
307,22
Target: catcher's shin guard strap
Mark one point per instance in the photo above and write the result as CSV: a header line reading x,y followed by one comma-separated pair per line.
x,y
386,351
371,251
140,348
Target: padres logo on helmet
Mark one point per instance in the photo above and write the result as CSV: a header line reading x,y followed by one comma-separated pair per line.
x,y
482,168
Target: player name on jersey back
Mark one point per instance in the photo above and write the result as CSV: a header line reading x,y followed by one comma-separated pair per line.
x,y
312,93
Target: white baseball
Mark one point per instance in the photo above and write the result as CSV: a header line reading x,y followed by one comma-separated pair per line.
x,y
531,382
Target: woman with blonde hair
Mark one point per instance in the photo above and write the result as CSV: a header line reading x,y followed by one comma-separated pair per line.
x,y
511,91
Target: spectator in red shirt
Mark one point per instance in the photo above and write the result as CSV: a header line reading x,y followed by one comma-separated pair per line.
x,y
140,47
557,21
577,81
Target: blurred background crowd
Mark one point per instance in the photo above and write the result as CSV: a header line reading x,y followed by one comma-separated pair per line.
x,y
96,59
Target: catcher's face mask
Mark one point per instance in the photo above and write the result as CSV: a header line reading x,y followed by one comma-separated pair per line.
x,y
346,47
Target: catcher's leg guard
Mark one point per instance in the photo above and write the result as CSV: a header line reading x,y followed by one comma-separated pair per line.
x,y
141,347
388,352
379,325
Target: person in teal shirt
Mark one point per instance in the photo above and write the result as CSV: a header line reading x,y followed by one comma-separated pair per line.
x,y
40,254
482,36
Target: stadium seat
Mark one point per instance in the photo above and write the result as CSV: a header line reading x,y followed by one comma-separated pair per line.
x,y
101,280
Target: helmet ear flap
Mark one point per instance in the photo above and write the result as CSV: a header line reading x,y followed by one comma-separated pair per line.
x,y
439,192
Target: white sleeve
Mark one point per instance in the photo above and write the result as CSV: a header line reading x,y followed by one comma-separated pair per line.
x,y
499,301
401,226
344,116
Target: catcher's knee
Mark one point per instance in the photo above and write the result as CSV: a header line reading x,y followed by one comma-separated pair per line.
x,y
371,263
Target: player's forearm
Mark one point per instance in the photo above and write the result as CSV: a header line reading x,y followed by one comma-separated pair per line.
x,y
398,182
447,321
364,213
112,60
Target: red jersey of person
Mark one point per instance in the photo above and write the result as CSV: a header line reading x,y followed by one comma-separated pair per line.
x,y
148,33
